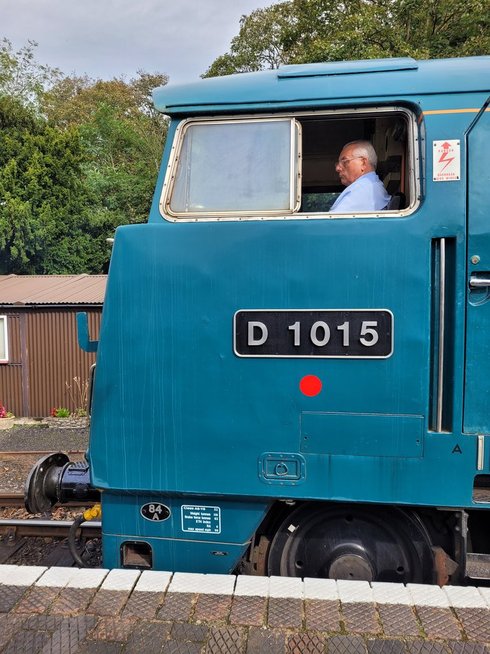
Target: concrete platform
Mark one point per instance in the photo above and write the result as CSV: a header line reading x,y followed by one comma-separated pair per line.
x,y
123,611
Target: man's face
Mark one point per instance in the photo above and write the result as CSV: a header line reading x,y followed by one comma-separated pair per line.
x,y
349,167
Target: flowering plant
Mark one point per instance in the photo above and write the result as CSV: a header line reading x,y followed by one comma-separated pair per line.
x,y
60,412
4,413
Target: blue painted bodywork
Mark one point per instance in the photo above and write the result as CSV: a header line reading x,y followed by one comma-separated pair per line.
x,y
179,417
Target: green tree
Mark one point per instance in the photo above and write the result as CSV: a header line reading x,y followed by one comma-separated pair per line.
x,y
78,157
46,226
259,44
123,137
304,31
21,76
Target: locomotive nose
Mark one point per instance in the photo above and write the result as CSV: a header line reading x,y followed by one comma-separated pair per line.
x,y
54,479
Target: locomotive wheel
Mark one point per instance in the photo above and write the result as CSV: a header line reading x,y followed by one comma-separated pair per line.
x,y
352,542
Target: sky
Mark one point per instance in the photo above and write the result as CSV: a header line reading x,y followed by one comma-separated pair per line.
x,y
114,38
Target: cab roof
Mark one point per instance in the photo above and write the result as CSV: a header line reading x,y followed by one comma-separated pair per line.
x,y
323,84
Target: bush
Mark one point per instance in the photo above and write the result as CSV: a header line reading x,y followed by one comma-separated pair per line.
x,y
60,412
4,413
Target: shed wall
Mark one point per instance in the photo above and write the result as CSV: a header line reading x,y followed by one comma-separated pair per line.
x,y
11,372
44,358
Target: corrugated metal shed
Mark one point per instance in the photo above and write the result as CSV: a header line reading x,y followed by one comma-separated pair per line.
x,y
52,289
43,353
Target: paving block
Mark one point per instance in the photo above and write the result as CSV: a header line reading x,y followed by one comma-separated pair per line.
x,y
37,600
354,591
322,615
438,623
425,647
218,584
177,606
212,608
153,581
147,638
378,646
9,626
476,623
285,612
465,597
398,620
87,578
270,641
458,647
108,602
56,577
143,604
360,618
179,647
70,634
24,642
250,586
183,631
72,601
426,595
226,640
286,587
346,645
118,629
42,622
391,593
5,570
320,589
186,582
120,580
18,575
100,647
485,593
10,595
304,643
248,611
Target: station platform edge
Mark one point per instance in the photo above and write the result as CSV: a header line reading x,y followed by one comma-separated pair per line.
x,y
97,610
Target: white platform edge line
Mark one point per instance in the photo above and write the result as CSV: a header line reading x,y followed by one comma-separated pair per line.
x,y
262,588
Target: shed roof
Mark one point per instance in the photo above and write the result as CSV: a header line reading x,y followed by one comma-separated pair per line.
x,y
52,289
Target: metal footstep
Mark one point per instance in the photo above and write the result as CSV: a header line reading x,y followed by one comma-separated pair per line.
x,y
478,566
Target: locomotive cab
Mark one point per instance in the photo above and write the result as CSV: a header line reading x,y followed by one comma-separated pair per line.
x,y
284,389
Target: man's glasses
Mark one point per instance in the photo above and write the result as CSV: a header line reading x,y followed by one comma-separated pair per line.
x,y
344,162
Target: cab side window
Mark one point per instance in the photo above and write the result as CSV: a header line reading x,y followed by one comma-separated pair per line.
x,y
325,136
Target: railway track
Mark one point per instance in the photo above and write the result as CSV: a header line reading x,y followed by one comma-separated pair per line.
x,y
8,455
40,541
16,500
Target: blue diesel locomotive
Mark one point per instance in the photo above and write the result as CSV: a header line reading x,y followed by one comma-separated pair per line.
x,y
281,389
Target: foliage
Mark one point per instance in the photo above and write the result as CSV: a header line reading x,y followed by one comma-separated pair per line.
x,y
21,77
4,413
60,412
259,43
123,137
46,225
302,31
78,157
78,394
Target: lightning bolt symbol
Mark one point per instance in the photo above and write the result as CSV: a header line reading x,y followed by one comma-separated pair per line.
x,y
445,159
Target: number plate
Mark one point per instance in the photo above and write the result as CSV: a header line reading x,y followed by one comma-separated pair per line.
x,y
335,333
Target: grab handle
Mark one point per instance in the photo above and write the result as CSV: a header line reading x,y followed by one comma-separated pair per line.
x,y
84,341
480,280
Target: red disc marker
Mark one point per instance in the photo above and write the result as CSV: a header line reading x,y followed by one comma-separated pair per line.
x,y
310,385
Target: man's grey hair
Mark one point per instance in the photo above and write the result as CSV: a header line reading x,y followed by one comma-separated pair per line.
x,y
364,149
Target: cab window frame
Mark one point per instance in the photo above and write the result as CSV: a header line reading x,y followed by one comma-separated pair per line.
x,y
411,173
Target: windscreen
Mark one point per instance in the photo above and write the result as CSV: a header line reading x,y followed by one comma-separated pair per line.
x,y
236,166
